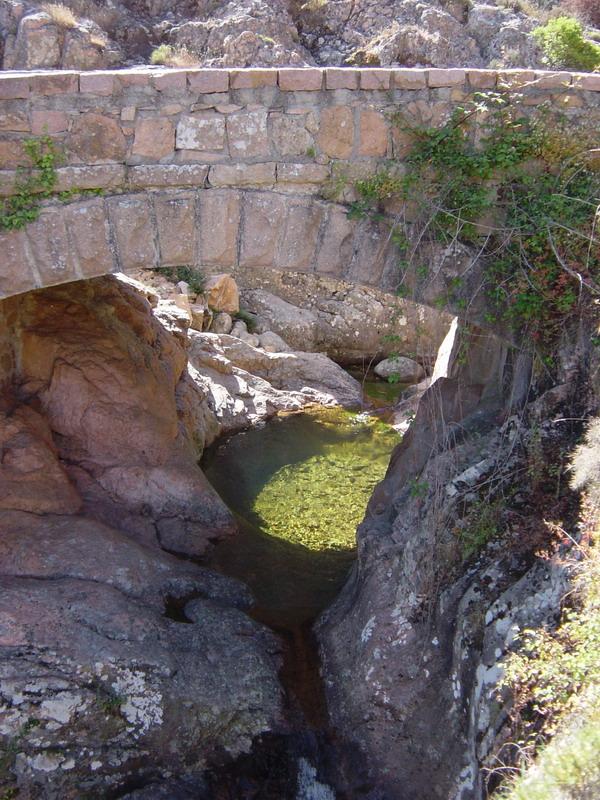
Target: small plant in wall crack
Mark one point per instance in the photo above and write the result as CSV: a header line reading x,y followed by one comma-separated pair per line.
x,y
35,184
31,185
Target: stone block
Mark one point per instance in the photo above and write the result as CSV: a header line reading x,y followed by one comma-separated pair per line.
x,y
176,223
131,218
513,78
139,79
289,134
591,83
482,78
103,176
89,234
202,131
48,122
336,131
445,77
308,79
409,78
54,83
302,173
16,122
96,138
12,154
16,274
252,78
335,252
98,83
552,80
375,79
568,100
207,81
342,78
368,261
50,248
247,134
300,233
14,88
172,80
242,174
164,175
219,226
373,134
262,229
154,138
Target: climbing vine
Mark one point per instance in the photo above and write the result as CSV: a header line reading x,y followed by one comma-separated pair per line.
x,y
35,184
520,194
31,185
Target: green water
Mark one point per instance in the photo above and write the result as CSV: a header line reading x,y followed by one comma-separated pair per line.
x,y
377,391
299,487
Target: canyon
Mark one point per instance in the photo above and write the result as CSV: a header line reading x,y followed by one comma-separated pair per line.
x,y
133,662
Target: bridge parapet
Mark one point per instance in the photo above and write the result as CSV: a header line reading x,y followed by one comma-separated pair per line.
x,y
226,168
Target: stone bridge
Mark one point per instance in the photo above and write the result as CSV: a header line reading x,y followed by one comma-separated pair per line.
x,y
225,170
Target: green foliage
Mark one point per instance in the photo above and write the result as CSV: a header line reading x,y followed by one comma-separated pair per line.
x,y
480,526
35,184
418,489
556,680
518,189
193,277
564,45
31,185
248,318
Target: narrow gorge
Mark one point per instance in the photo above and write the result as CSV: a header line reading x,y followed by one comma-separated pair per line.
x,y
289,469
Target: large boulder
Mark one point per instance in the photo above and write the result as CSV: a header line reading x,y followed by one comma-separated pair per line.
x,y
401,368
106,375
222,294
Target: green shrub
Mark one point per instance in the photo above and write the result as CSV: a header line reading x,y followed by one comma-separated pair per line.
x,y
564,45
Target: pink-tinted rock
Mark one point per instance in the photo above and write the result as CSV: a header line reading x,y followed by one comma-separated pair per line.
x,y
154,138
373,132
97,138
31,477
336,132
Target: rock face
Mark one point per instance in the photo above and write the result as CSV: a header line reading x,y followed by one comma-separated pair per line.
x,y
413,648
104,679
245,33
97,685
352,324
97,363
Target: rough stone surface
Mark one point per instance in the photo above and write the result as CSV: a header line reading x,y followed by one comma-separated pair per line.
x,y
143,477
406,370
222,293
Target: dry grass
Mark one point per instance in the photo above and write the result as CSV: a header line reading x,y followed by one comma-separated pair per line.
x,y
61,15
174,56
105,16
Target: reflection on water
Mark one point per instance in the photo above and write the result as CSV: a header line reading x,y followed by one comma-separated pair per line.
x,y
299,487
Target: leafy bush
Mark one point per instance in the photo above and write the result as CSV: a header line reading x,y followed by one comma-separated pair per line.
x,y
519,190
564,45
193,277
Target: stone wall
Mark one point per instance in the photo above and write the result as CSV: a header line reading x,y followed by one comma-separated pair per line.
x,y
226,169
